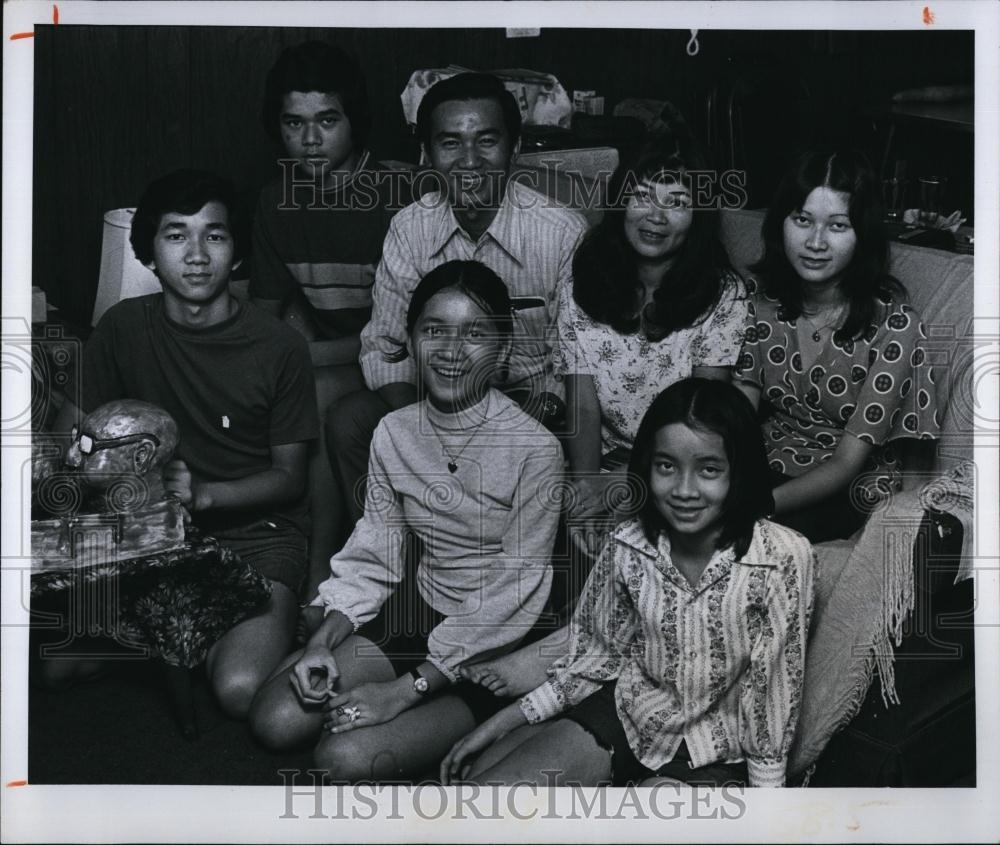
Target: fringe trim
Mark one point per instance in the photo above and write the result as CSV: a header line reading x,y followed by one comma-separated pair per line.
x,y
897,605
807,776
900,519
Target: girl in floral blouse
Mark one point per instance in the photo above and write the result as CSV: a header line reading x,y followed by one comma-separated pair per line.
x,y
833,349
688,645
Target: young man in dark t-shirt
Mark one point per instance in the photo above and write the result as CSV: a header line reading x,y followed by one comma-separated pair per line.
x,y
239,385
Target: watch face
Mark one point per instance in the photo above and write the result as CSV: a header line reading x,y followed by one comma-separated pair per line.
x,y
420,685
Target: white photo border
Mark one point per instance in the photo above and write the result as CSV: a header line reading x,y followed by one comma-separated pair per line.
x,y
228,814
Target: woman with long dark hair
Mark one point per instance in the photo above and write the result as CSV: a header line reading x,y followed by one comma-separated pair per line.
x,y
653,300
833,349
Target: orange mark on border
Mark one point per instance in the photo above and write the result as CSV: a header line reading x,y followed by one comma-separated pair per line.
x,y
16,783
18,35
928,15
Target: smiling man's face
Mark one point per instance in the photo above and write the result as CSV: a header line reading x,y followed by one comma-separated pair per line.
x,y
470,147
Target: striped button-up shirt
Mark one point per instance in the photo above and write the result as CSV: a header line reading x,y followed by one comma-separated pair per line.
x,y
529,245
718,665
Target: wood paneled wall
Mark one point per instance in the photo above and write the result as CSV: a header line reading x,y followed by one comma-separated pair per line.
x,y
117,106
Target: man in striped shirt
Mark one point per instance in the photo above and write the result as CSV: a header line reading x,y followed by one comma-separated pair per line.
x,y
469,127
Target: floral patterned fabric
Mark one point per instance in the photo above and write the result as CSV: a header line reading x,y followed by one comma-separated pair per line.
x,y
542,99
629,371
718,665
879,387
177,604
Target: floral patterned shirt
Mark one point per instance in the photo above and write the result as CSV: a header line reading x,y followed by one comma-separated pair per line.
x,y
718,665
629,371
879,387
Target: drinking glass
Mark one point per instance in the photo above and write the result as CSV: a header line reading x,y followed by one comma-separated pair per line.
x,y
931,195
894,198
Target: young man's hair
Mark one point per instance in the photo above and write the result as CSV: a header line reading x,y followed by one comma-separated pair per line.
x,y
720,408
476,281
866,277
469,86
323,67
181,192
606,283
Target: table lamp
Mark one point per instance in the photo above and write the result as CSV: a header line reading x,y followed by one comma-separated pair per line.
x,y
123,276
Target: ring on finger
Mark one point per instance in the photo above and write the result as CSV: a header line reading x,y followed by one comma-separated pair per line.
x,y
340,710
352,713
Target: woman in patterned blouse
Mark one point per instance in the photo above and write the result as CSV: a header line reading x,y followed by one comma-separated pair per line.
x,y
687,648
653,300
833,349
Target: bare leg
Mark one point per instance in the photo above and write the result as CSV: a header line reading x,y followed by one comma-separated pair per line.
x,y
280,720
563,753
59,674
61,665
522,670
502,747
240,662
329,511
412,743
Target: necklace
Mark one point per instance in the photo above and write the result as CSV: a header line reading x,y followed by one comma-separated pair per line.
x,y
816,335
453,459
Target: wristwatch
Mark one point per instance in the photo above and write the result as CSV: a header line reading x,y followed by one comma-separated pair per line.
x,y
420,685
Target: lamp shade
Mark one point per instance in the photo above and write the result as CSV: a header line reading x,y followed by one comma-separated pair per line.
x,y
123,276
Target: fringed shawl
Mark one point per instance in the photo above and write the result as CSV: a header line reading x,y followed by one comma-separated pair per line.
x,y
864,594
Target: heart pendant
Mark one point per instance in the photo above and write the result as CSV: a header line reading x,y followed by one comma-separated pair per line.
x,y
452,466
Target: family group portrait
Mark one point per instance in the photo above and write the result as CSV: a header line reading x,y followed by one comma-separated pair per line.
x,y
572,406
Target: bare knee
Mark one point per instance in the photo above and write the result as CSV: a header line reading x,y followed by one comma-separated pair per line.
x,y
54,676
235,690
555,754
60,675
274,720
346,759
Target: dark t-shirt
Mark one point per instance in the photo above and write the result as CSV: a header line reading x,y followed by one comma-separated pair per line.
x,y
235,389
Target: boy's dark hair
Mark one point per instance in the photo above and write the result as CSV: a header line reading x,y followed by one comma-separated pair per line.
x,y
606,282
718,407
181,192
469,86
317,66
866,278
476,281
